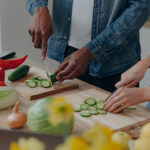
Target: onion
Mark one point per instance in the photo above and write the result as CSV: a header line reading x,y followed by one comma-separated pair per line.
x,y
16,119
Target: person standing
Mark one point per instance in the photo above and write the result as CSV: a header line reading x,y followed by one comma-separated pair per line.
x,y
94,40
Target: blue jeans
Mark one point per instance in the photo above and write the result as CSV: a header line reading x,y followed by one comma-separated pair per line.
x,y
106,83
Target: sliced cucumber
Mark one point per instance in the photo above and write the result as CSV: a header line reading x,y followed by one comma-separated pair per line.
x,y
90,101
39,84
103,112
31,84
92,107
85,114
53,77
77,109
100,101
100,106
46,84
84,106
93,112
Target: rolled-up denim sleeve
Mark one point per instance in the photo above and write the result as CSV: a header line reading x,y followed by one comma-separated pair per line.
x,y
121,31
32,4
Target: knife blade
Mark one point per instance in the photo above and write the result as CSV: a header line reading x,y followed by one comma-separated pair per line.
x,y
47,71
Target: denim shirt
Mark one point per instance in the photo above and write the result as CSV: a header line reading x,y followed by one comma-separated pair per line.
x,y
115,33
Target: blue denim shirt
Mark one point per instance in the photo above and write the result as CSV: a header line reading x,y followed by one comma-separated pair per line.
x,y
115,32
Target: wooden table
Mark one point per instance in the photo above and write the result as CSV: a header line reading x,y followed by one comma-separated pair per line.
x,y
84,90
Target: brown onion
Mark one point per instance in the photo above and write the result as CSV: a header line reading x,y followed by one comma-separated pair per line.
x,y
16,119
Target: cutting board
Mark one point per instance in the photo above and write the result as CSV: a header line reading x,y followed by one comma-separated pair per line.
x,y
124,121
39,92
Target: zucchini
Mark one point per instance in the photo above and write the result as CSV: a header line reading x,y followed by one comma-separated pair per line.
x,y
90,101
19,73
85,114
94,112
84,106
100,106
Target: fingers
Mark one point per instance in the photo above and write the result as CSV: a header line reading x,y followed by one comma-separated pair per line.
x,y
119,109
44,47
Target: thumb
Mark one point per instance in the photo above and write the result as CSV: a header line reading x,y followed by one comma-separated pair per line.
x,y
44,48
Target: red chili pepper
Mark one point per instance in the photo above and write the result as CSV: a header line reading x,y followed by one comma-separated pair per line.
x,y
2,74
2,83
11,64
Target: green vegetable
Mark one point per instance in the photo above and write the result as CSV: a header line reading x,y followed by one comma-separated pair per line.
x,y
93,112
84,106
85,114
77,109
37,119
46,84
31,84
8,97
92,107
100,106
53,77
90,101
103,112
19,73
100,101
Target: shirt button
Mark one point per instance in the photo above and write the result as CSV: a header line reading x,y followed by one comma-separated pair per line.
x,y
65,37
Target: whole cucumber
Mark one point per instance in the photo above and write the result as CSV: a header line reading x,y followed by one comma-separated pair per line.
x,y
19,73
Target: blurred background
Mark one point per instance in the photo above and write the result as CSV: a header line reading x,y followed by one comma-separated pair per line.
x,y
14,20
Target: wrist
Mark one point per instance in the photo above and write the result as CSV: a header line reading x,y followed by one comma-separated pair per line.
x,y
87,53
145,94
40,9
146,62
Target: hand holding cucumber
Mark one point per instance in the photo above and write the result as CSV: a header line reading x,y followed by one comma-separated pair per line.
x,y
74,65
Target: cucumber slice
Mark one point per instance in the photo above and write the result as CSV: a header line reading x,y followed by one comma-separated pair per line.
x,y
84,106
93,112
53,77
39,84
103,112
100,101
85,114
90,101
46,84
92,107
100,106
77,109
32,84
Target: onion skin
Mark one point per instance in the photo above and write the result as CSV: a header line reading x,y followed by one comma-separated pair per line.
x,y
16,119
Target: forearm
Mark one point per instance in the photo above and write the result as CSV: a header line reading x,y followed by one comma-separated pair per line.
x,y
111,40
145,94
33,4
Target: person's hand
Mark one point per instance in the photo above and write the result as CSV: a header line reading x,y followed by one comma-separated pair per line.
x,y
131,77
74,65
123,98
40,29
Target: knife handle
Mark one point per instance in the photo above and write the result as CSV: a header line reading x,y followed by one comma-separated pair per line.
x,y
9,55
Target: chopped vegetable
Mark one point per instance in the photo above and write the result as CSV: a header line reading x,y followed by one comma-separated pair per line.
x,y
19,73
84,106
53,77
37,81
100,106
77,109
11,64
8,97
102,112
16,119
94,112
90,101
85,114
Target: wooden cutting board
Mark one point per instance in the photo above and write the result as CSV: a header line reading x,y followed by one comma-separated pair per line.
x,y
125,121
38,92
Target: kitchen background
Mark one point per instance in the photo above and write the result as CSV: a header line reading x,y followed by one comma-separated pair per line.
x,y
14,20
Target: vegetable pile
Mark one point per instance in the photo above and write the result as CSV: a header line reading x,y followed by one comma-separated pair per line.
x,y
41,82
90,107
8,97
38,119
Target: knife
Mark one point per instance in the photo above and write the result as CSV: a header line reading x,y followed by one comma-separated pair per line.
x,y
47,71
